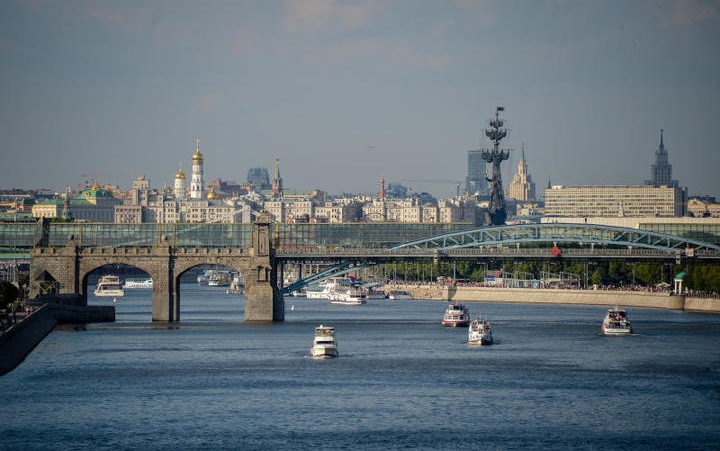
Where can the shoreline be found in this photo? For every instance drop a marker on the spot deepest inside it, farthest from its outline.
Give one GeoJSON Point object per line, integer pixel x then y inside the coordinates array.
{"type": "Point", "coordinates": [665, 300]}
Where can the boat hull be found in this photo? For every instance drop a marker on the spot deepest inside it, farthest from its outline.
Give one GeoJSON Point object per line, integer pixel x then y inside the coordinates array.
{"type": "Point", "coordinates": [455, 323]}
{"type": "Point", "coordinates": [480, 341]}
{"type": "Point", "coordinates": [109, 293]}
{"type": "Point", "coordinates": [321, 352]}
{"type": "Point", "coordinates": [616, 330]}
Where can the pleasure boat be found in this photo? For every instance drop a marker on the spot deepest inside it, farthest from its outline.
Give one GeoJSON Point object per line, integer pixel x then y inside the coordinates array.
{"type": "Point", "coordinates": [219, 279]}
{"type": "Point", "coordinates": [147, 283]}
{"type": "Point", "coordinates": [203, 278]}
{"type": "Point", "coordinates": [109, 286]}
{"type": "Point", "coordinates": [346, 295]}
{"type": "Point", "coordinates": [479, 332]}
{"type": "Point", "coordinates": [456, 315]}
{"type": "Point", "coordinates": [616, 323]}
{"type": "Point", "coordinates": [237, 286]}
{"type": "Point", "coordinates": [324, 345]}
{"type": "Point", "coordinates": [399, 295]}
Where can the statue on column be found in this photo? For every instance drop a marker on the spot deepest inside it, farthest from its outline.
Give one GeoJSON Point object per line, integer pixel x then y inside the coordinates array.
{"type": "Point", "coordinates": [496, 213]}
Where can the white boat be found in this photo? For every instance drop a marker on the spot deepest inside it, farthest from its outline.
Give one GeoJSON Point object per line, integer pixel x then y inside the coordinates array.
{"type": "Point", "coordinates": [456, 315]}
{"type": "Point", "coordinates": [398, 295]}
{"type": "Point", "coordinates": [219, 279]}
{"type": "Point", "coordinates": [237, 286]}
{"type": "Point", "coordinates": [324, 345]}
{"type": "Point", "coordinates": [616, 323]}
{"type": "Point", "coordinates": [203, 278]}
{"type": "Point", "coordinates": [147, 283]}
{"type": "Point", "coordinates": [109, 286]}
{"type": "Point", "coordinates": [479, 332]}
{"type": "Point", "coordinates": [315, 291]}
{"type": "Point", "coordinates": [346, 295]}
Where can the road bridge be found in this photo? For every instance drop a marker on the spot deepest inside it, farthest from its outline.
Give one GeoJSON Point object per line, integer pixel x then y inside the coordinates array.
{"type": "Point", "coordinates": [64, 255]}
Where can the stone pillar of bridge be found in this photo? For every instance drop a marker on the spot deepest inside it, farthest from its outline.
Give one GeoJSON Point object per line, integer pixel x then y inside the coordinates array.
{"type": "Point", "coordinates": [263, 301]}
{"type": "Point", "coordinates": [165, 296]}
{"type": "Point", "coordinates": [55, 270]}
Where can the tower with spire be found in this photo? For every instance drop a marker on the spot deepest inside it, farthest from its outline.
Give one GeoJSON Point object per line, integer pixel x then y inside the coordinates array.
{"type": "Point", "coordinates": [196, 182]}
{"type": "Point", "coordinates": [661, 170]}
{"type": "Point", "coordinates": [522, 187]}
{"type": "Point", "coordinates": [277, 183]}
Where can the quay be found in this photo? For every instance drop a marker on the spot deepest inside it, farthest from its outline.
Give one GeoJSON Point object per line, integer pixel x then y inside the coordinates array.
{"type": "Point", "coordinates": [20, 339]}
{"type": "Point", "coordinates": [626, 298]}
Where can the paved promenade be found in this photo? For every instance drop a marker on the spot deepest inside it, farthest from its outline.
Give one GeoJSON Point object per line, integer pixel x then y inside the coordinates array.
{"type": "Point", "coordinates": [560, 296]}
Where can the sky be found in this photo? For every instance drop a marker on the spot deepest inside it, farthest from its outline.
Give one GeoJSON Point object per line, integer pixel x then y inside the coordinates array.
{"type": "Point", "coordinates": [344, 93]}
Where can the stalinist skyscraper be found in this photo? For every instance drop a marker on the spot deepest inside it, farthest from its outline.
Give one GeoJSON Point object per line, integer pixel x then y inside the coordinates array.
{"type": "Point", "coordinates": [522, 187]}
{"type": "Point", "coordinates": [661, 170]}
{"type": "Point", "coordinates": [196, 182]}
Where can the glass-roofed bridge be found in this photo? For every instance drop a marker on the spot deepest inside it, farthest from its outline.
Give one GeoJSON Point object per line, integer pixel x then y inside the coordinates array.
{"type": "Point", "coordinates": [65, 254]}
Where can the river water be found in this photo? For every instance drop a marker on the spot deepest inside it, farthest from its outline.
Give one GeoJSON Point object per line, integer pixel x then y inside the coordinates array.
{"type": "Point", "coordinates": [402, 381]}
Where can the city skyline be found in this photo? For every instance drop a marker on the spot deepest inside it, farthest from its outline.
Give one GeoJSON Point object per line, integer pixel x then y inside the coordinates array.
{"type": "Point", "coordinates": [345, 92]}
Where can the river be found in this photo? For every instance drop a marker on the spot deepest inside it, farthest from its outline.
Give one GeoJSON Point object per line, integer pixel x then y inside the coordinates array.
{"type": "Point", "coordinates": [402, 381]}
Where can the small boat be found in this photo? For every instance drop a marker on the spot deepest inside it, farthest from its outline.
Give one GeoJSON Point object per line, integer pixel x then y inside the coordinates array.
{"type": "Point", "coordinates": [203, 278]}
{"type": "Point", "coordinates": [616, 323]}
{"type": "Point", "coordinates": [324, 345]}
{"type": "Point", "coordinates": [237, 286]}
{"type": "Point", "coordinates": [109, 286]}
{"type": "Point", "coordinates": [479, 332]}
{"type": "Point", "coordinates": [456, 315]}
{"type": "Point", "coordinates": [147, 283]}
{"type": "Point", "coordinates": [399, 295]}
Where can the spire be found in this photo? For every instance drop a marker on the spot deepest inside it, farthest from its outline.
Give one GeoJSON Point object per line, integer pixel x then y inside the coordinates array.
{"type": "Point", "coordinates": [277, 186]}
{"type": "Point", "coordinates": [661, 138]}
{"type": "Point", "coordinates": [522, 155]}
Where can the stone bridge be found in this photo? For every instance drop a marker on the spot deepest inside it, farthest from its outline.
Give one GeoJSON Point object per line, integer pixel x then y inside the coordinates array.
{"type": "Point", "coordinates": [68, 268]}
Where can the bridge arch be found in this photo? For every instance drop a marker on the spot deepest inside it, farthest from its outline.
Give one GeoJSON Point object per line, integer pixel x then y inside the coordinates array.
{"type": "Point", "coordinates": [559, 233]}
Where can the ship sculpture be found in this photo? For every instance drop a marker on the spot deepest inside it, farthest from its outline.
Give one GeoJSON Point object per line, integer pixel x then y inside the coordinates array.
{"type": "Point", "coordinates": [496, 213]}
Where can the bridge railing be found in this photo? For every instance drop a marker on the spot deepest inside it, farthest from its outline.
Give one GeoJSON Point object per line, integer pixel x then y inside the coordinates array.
{"type": "Point", "coordinates": [148, 235]}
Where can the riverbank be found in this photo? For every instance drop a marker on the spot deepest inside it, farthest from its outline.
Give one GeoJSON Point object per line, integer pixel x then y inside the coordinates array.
{"type": "Point", "coordinates": [562, 296]}
{"type": "Point", "coordinates": [19, 340]}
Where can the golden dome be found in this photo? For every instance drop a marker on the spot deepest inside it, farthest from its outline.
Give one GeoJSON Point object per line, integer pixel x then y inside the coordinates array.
{"type": "Point", "coordinates": [197, 156]}
{"type": "Point", "coordinates": [211, 194]}
{"type": "Point", "coordinates": [180, 174]}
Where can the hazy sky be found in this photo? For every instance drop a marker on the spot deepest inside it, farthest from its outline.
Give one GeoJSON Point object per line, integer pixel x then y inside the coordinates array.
{"type": "Point", "coordinates": [343, 92]}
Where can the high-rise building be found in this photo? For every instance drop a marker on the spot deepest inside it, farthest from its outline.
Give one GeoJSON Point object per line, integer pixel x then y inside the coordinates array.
{"type": "Point", "coordinates": [522, 187]}
{"type": "Point", "coordinates": [196, 182]}
{"type": "Point", "coordinates": [615, 201]}
{"type": "Point", "coordinates": [475, 182]}
{"type": "Point", "coordinates": [661, 170]}
{"type": "Point", "coordinates": [259, 178]}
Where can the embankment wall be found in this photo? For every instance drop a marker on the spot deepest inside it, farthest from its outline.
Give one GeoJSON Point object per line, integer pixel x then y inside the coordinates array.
{"type": "Point", "coordinates": [562, 296]}
{"type": "Point", "coordinates": [18, 341]}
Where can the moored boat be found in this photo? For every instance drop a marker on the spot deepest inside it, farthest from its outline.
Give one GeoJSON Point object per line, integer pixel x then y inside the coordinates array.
{"type": "Point", "coordinates": [109, 286]}
{"type": "Point", "coordinates": [479, 332]}
{"type": "Point", "coordinates": [324, 345]}
{"type": "Point", "coordinates": [399, 295]}
{"type": "Point", "coordinates": [616, 323]}
{"type": "Point", "coordinates": [146, 283]}
{"type": "Point", "coordinates": [456, 315]}
{"type": "Point", "coordinates": [346, 295]}
{"type": "Point", "coordinates": [219, 279]}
